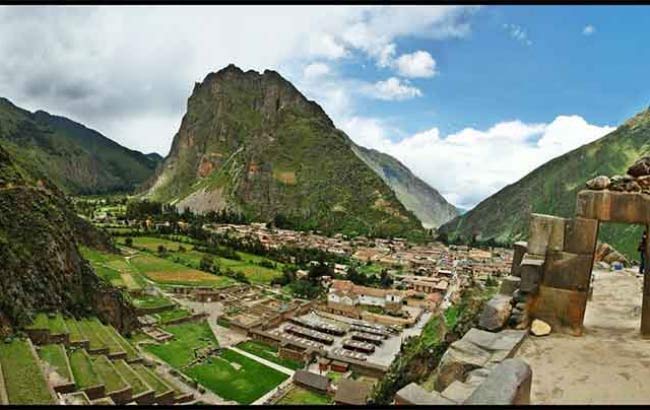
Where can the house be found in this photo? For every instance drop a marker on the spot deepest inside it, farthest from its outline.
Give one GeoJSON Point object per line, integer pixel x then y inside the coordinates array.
{"type": "Point", "coordinates": [352, 393]}
{"type": "Point", "coordinates": [312, 381]}
{"type": "Point", "coordinates": [346, 294]}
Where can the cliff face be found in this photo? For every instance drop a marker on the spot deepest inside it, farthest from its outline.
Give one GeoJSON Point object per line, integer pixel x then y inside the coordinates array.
{"type": "Point", "coordinates": [253, 143]}
{"type": "Point", "coordinates": [41, 268]}
{"type": "Point", "coordinates": [77, 159]}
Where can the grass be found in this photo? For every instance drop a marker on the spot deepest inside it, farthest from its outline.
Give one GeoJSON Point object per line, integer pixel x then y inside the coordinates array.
{"type": "Point", "coordinates": [152, 379]}
{"type": "Point", "coordinates": [299, 395]}
{"type": "Point", "coordinates": [151, 302]}
{"type": "Point", "coordinates": [169, 315]}
{"type": "Point", "coordinates": [131, 353]}
{"type": "Point", "coordinates": [248, 265]}
{"type": "Point", "coordinates": [244, 385]}
{"type": "Point", "coordinates": [112, 379]}
{"type": "Point", "coordinates": [113, 268]}
{"type": "Point", "coordinates": [269, 353]}
{"type": "Point", "coordinates": [55, 356]}
{"type": "Point", "coordinates": [75, 332]}
{"type": "Point", "coordinates": [83, 370]}
{"type": "Point", "coordinates": [131, 377]}
{"type": "Point", "coordinates": [55, 324]}
{"type": "Point", "coordinates": [24, 380]}
{"type": "Point", "coordinates": [334, 376]}
{"type": "Point", "coordinates": [187, 337]}
{"type": "Point", "coordinates": [167, 272]}
{"type": "Point", "coordinates": [88, 329]}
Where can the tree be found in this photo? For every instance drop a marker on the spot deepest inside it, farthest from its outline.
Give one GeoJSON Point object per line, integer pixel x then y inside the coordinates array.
{"type": "Point", "coordinates": [128, 241]}
{"type": "Point", "coordinates": [385, 280]}
{"type": "Point", "coordinates": [161, 249]}
{"type": "Point", "coordinates": [206, 263]}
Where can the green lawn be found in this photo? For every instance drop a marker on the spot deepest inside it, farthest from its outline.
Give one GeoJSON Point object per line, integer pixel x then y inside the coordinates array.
{"type": "Point", "coordinates": [112, 267]}
{"type": "Point", "coordinates": [188, 336]}
{"type": "Point", "coordinates": [82, 369]}
{"type": "Point", "coordinates": [152, 379]}
{"type": "Point", "coordinates": [131, 377]}
{"type": "Point", "coordinates": [269, 353]}
{"type": "Point", "coordinates": [24, 380]}
{"type": "Point", "coordinates": [299, 395]}
{"type": "Point", "coordinates": [112, 379]}
{"type": "Point", "coordinates": [55, 355]}
{"type": "Point", "coordinates": [174, 314]}
{"type": "Point", "coordinates": [54, 323]}
{"type": "Point", "coordinates": [150, 301]}
{"type": "Point", "coordinates": [164, 271]}
{"type": "Point", "coordinates": [334, 376]}
{"type": "Point", "coordinates": [244, 385]}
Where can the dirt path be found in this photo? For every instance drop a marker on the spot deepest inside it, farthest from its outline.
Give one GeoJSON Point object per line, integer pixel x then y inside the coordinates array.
{"type": "Point", "coordinates": [609, 364]}
{"type": "Point", "coordinates": [263, 361]}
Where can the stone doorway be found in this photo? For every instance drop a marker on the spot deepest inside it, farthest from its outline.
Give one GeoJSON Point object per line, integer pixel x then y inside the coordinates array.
{"type": "Point", "coordinates": [557, 261]}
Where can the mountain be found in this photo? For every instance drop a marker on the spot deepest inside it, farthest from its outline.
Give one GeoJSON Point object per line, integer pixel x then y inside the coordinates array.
{"type": "Point", "coordinates": [552, 189]}
{"type": "Point", "coordinates": [252, 143]}
{"type": "Point", "coordinates": [417, 196]}
{"type": "Point", "coordinates": [41, 267]}
{"type": "Point", "coordinates": [79, 160]}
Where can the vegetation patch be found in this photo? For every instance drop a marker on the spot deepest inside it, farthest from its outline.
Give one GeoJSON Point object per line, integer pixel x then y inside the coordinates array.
{"type": "Point", "coordinates": [299, 395]}
{"type": "Point", "coordinates": [152, 379]}
{"type": "Point", "coordinates": [112, 379]}
{"type": "Point", "coordinates": [55, 323]}
{"type": "Point", "coordinates": [131, 377]}
{"type": "Point", "coordinates": [188, 337]}
{"type": "Point", "coordinates": [55, 356]}
{"type": "Point", "coordinates": [24, 380]}
{"type": "Point", "coordinates": [82, 368]}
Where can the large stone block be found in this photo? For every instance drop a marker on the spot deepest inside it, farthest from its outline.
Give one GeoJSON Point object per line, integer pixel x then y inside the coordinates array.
{"type": "Point", "coordinates": [518, 254]}
{"type": "Point", "coordinates": [546, 233]}
{"type": "Point", "coordinates": [563, 309]}
{"type": "Point", "coordinates": [567, 271]}
{"type": "Point", "coordinates": [458, 391]}
{"type": "Point", "coordinates": [509, 284]}
{"type": "Point", "coordinates": [580, 235]}
{"type": "Point", "coordinates": [611, 206]}
{"type": "Point", "coordinates": [496, 312]}
{"type": "Point", "coordinates": [461, 358]}
{"type": "Point", "coordinates": [508, 383]}
{"type": "Point", "coordinates": [531, 270]}
{"type": "Point", "coordinates": [506, 340]}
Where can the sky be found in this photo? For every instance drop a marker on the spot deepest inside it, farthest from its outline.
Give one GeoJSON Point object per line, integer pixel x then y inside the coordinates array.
{"type": "Point", "coordinates": [471, 99]}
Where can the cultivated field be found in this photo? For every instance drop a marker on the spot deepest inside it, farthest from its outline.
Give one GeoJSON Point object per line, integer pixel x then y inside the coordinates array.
{"type": "Point", "coordinates": [167, 272]}
{"type": "Point", "coordinates": [23, 378]}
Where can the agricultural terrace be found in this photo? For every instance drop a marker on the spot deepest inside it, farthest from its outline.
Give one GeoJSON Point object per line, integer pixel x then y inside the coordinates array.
{"type": "Point", "coordinates": [113, 268]}
{"type": "Point", "coordinates": [167, 272]}
{"type": "Point", "coordinates": [169, 315]}
{"type": "Point", "coordinates": [151, 301]}
{"type": "Point", "coordinates": [179, 351]}
{"type": "Point", "coordinates": [23, 378]}
{"type": "Point", "coordinates": [299, 395]}
{"type": "Point", "coordinates": [131, 377]}
{"type": "Point", "coordinates": [236, 377]}
{"type": "Point", "coordinates": [269, 353]}
{"type": "Point", "coordinates": [55, 356]}
{"type": "Point", "coordinates": [249, 265]}
{"type": "Point", "coordinates": [82, 368]}
{"type": "Point", "coordinates": [160, 386]}
{"type": "Point", "coordinates": [55, 323]}
{"type": "Point", "coordinates": [112, 379]}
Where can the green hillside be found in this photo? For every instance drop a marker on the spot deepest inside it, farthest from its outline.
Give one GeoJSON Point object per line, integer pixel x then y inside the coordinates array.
{"type": "Point", "coordinates": [552, 189]}
{"type": "Point", "coordinates": [77, 159]}
{"type": "Point", "coordinates": [252, 143]}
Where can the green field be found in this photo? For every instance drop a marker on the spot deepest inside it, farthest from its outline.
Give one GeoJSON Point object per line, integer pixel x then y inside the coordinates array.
{"type": "Point", "coordinates": [299, 395]}
{"type": "Point", "coordinates": [169, 315]}
{"type": "Point", "coordinates": [248, 265]}
{"type": "Point", "coordinates": [163, 271]}
{"type": "Point", "coordinates": [24, 380]}
{"type": "Point", "coordinates": [75, 332]}
{"type": "Point", "coordinates": [82, 368]}
{"type": "Point", "coordinates": [55, 356]}
{"type": "Point", "coordinates": [113, 268]}
{"type": "Point", "coordinates": [269, 353]}
{"type": "Point", "coordinates": [112, 379]}
{"type": "Point", "coordinates": [179, 351]}
{"type": "Point", "coordinates": [150, 301]}
{"type": "Point", "coordinates": [243, 385]}
{"type": "Point", "coordinates": [55, 324]}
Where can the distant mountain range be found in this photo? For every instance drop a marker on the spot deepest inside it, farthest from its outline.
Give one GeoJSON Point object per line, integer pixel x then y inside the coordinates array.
{"type": "Point", "coordinates": [252, 143]}
{"type": "Point", "coordinates": [552, 189]}
{"type": "Point", "coordinates": [77, 159]}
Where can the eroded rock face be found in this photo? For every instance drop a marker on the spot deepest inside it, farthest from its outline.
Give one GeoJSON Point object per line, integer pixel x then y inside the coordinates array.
{"type": "Point", "coordinates": [496, 313]}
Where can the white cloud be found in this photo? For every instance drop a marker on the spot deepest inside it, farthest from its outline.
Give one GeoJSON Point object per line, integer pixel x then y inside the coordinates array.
{"type": "Point", "coordinates": [418, 64]}
{"type": "Point", "coordinates": [518, 33]}
{"type": "Point", "coordinates": [316, 70]}
{"type": "Point", "coordinates": [115, 70]}
{"type": "Point", "coordinates": [588, 30]}
{"type": "Point", "coordinates": [468, 166]}
{"type": "Point", "coordinates": [392, 89]}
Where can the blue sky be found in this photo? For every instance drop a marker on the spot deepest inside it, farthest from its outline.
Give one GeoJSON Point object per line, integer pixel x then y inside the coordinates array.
{"type": "Point", "coordinates": [470, 99]}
